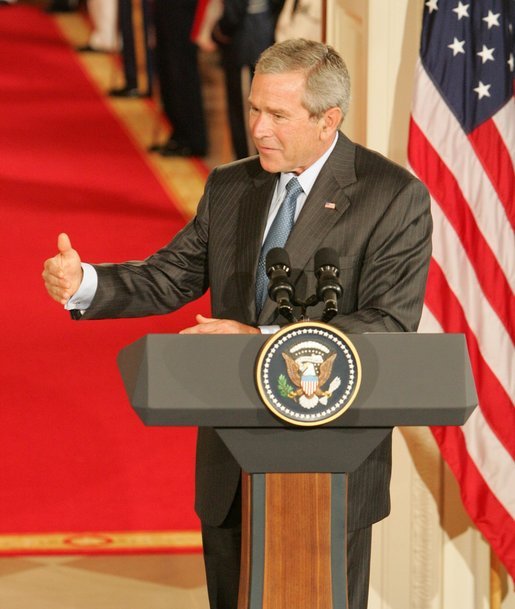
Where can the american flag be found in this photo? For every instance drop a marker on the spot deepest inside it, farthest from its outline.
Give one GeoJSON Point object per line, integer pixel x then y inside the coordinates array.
{"type": "Point", "coordinates": [462, 145]}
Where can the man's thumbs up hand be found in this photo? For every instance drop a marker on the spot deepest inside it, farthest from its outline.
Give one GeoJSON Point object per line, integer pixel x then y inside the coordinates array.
{"type": "Point", "coordinates": [62, 274]}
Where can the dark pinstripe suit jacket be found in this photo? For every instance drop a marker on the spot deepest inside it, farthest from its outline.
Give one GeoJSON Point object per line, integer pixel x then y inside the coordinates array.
{"type": "Point", "coordinates": [381, 228]}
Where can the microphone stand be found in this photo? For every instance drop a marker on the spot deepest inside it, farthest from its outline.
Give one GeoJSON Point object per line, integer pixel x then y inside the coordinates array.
{"type": "Point", "coordinates": [282, 291]}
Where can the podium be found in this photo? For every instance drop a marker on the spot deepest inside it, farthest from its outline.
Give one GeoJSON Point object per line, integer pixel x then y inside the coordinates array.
{"type": "Point", "coordinates": [295, 479]}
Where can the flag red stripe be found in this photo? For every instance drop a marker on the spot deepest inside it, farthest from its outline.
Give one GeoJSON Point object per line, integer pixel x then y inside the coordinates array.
{"type": "Point", "coordinates": [482, 505]}
{"type": "Point", "coordinates": [444, 188]}
{"type": "Point", "coordinates": [496, 405]}
{"type": "Point", "coordinates": [495, 158]}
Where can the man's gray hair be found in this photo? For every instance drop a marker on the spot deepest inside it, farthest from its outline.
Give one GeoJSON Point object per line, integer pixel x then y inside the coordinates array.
{"type": "Point", "coordinates": [327, 77]}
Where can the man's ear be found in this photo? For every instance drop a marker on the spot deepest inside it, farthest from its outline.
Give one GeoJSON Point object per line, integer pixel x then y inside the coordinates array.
{"type": "Point", "coordinates": [331, 120]}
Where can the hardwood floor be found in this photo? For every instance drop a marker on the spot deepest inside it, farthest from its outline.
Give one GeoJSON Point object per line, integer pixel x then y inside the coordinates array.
{"type": "Point", "coordinates": [103, 582]}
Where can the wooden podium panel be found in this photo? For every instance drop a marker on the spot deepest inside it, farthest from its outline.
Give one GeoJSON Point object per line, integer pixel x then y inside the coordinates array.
{"type": "Point", "coordinates": [293, 553]}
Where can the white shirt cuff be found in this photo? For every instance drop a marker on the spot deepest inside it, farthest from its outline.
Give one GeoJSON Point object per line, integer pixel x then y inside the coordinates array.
{"type": "Point", "coordinates": [83, 297]}
{"type": "Point", "coordinates": [269, 329]}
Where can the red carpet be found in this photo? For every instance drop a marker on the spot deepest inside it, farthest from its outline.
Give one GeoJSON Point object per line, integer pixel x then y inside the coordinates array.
{"type": "Point", "coordinates": [74, 457]}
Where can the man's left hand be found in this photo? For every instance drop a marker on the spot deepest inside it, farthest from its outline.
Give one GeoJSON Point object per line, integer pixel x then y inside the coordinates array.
{"type": "Point", "coordinates": [209, 325]}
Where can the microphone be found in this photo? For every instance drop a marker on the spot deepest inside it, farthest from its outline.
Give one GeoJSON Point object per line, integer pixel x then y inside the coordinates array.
{"type": "Point", "coordinates": [328, 288]}
{"type": "Point", "coordinates": [280, 289]}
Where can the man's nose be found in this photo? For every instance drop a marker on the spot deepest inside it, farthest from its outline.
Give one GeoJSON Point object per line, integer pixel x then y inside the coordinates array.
{"type": "Point", "coordinates": [260, 125]}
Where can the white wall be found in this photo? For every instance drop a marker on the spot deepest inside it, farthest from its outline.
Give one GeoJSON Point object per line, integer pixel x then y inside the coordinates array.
{"type": "Point", "coordinates": [427, 554]}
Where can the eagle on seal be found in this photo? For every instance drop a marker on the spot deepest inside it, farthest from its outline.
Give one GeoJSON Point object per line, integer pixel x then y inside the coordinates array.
{"type": "Point", "coordinates": [305, 377]}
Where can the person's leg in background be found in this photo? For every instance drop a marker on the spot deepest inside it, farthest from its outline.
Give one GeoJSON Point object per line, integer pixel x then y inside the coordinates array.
{"type": "Point", "coordinates": [135, 24]}
{"type": "Point", "coordinates": [104, 17]}
{"type": "Point", "coordinates": [234, 74]}
{"type": "Point", "coordinates": [179, 78]}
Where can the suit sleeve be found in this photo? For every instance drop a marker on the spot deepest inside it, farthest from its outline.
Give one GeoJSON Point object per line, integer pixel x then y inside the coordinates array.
{"type": "Point", "coordinates": [170, 278]}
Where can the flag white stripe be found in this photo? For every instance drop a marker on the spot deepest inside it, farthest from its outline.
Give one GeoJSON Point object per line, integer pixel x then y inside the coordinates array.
{"type": "Point", "coordinates": [505, 123]}
{"type": "Point", "coordinates": [494, 341]}
{"type": "Point", "coordinates": [428, 323]}
{"type": "Point", "coordinates": [491, 459]}
{"type": "Point", "coordinates": [446, 136]}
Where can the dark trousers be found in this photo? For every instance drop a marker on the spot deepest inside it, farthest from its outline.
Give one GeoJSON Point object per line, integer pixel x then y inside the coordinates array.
{"type": "Point", "coordinates": [135, 26]}
{"type": "Point", "coordinates": [234, 89]}
{"type": "Point", "coordinates": [178, 72]}
{"type": "Point", "coordinates": [359, 545]}
{"type": "Point", "coordinates": [222, 554]}
{"type": "Point", "coordinates": [239, 58]}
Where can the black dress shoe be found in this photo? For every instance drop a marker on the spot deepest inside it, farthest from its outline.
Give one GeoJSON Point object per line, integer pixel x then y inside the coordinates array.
{"type": "Point", "coordinates": [87, 48]}
{"type": "Point", "coordinates": [174, 148]}
{"type": "Point", "coordinates": [126, 92]}
{"type": "Point", "coordinates": [62, 6]}
{"type": "Point", "coordinates": [60, 9]}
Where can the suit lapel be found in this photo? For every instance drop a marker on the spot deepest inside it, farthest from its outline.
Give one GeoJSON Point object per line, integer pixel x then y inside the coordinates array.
{"type": "Point", "coordinates": [251, 226]}
{"type": "Point", "coordinates": [316, 218]}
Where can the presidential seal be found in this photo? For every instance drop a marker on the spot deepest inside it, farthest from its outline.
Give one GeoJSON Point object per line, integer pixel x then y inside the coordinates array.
{"type": "Point", "coordinates": [308, 373]}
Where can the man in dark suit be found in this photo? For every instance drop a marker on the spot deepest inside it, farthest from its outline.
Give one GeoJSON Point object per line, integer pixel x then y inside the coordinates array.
{"type": "Point", "coordinates": [372, 212]}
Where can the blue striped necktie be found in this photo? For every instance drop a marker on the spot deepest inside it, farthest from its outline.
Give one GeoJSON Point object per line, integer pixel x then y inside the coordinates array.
{"type": "Point", "coordinates": [277, 237]}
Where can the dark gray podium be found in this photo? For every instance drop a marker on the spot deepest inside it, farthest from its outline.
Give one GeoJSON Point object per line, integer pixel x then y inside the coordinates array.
{"type": "Point", "coordinates": [294, 488]}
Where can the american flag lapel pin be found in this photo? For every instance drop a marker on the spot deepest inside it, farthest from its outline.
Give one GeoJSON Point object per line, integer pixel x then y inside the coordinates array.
{"type": "Point", "coordinates": [330, 205]}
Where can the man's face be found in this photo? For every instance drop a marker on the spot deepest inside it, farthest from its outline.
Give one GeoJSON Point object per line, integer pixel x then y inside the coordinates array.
{"type": "Point", "coordinates": [286, 137]}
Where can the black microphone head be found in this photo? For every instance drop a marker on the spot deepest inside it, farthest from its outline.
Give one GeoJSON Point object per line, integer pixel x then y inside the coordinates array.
{"type": "Point", "coordinates": [326, 256]}
{"type": "Point", "coordinates": [277, 256]}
